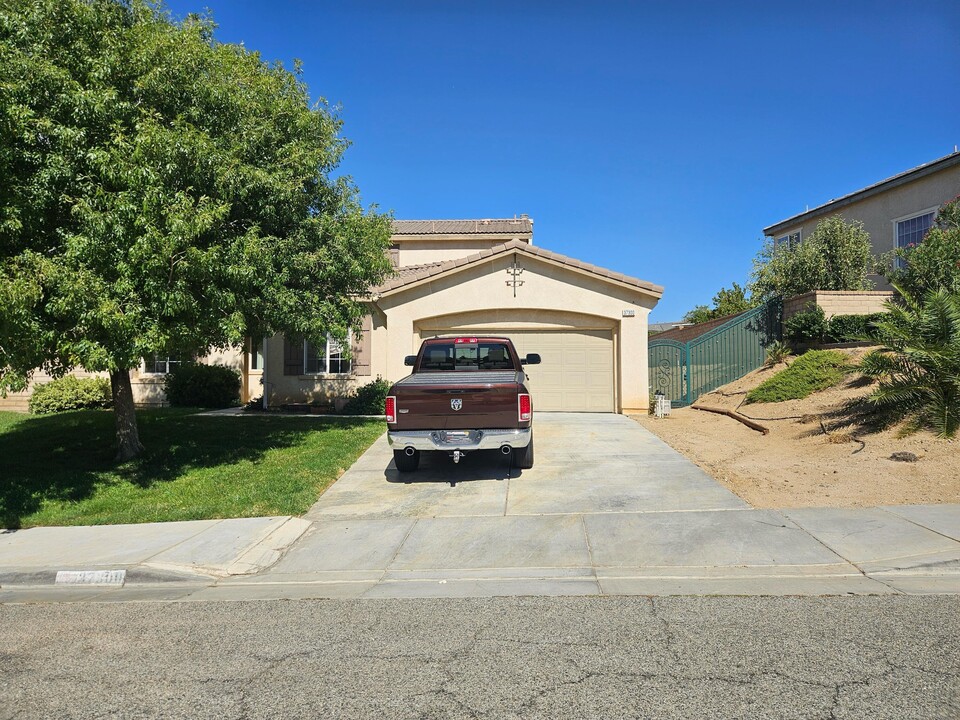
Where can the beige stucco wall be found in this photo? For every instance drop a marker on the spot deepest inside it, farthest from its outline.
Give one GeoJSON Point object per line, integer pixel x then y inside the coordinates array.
{"type": "Point", "coordinates": [879, 212]}
{"type": "Point", "coordinates": [552, 296]}
{"type": "Point", "coordinates": [415, 251]}
{"type": "Point", "coordinates": [319, 389]}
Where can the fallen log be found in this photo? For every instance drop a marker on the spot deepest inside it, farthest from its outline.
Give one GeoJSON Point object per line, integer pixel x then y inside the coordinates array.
{"type": "Point", "coordinates": [735, 415]}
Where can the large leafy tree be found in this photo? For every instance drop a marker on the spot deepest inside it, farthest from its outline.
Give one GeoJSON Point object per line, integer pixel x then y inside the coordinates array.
{"type": "Point", "coordinates": [836, 256]}
{"type": "Point", "coordinates": [163, 192]}
{"type": "Point", "coordinates": [727, 301]}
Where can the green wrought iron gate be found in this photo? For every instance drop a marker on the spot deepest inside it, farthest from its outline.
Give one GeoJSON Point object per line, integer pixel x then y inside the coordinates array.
{"type": "Point", "coordinates": [685, 371]}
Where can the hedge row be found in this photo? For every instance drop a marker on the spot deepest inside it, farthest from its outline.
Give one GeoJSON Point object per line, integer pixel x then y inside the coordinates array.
{"type": "Point", "coordinates": [70, 393]}
{"type": "Point", "coordinates": [811, 327]}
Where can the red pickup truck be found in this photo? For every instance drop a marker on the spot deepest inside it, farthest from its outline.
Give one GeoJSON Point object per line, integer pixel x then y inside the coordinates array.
{"type": "Point", "coordinates": [465, 394]}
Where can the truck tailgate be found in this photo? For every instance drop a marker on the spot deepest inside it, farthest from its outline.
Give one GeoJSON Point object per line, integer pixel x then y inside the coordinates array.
{"type": "Point", "coordinates": [425, 401]}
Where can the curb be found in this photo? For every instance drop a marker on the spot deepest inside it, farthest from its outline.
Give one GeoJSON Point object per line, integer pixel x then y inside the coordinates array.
{"type": "Point", "coordinates": [134, 575]}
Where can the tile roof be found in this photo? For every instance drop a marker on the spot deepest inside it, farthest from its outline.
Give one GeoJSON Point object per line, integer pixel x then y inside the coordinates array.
{"type": "Point", "coordinates": [415, 273]}
{"type": "Point", "coordinates": [503, 226]}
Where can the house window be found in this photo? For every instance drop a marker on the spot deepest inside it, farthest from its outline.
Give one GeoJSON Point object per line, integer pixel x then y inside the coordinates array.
{"type": "Point", "coordinates": [160, 364]}
{"type": "Point", "coordinates": [256, 353]}
{"type": "Point", "coordinates": [327, 359]}
{"type": "Point", "coordinates": [910, 230]}
{"type": "Point", "coordinates": [791, 240]}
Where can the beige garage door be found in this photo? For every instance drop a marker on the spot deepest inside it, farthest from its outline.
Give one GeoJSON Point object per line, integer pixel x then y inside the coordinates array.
{"type": "Point", "coordinates": [576, 374]}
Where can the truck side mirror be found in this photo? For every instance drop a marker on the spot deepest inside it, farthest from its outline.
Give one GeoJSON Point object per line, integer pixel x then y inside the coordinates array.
{"type": "Point", "coordinates": [410, 360]}
{"type": "Point", "coordinates": [531, 359]}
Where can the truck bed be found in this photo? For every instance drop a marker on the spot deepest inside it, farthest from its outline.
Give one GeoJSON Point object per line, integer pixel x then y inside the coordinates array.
{"type": "Point", "coordinates": [488, 399]}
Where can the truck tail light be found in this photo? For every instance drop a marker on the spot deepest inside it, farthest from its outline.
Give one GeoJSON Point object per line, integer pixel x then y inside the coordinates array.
{"type": "Point", "coordinates": [390, 408]}
{"type": "Point", "coordinates": [526, 408]}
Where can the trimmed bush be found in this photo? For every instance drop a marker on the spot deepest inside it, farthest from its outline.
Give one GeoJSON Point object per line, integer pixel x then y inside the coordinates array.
{"type": "Point", "coordinates": [368, 399]}
{"type": "Point", "coordinates": [808, 327]}
{"type": "Point", "coordinates": [205, 386]}
{"type": "Point", "coordinates": [71, 393]}
{"type": "Point", "coordinates": [814, 370]}
{"type": "Point", "coordinates": [851, 328]}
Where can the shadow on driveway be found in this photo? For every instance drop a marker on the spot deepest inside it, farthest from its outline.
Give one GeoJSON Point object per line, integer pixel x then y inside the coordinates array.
{"type": "Point", "coordinates": [438, 467]}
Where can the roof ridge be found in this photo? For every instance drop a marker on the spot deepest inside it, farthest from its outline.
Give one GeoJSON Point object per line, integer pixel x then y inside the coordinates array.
{"type": "Point", "coordinates": [515, 245]}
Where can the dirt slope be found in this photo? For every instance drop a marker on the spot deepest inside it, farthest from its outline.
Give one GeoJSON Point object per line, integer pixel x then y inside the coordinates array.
{"type": "Point", "coordinates": [797, 464]}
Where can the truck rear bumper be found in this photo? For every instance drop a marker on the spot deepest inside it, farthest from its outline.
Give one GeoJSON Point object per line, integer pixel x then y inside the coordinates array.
{"type": "Point", "coordinates": [459, 439]}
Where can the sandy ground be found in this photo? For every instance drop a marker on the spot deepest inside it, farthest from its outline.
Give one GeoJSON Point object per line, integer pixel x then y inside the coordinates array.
{"type": "Point", "coordinates": [797, 464]}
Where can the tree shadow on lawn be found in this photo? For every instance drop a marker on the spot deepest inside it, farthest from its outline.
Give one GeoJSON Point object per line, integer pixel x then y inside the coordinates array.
{"type": "Point", "coordinates": [68, 455]}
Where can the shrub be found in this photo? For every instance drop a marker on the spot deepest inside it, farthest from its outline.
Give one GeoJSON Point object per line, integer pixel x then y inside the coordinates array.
{"type": "Point", "coordinates": [850, 328]}
{"type": "Point", "coordinates": [808, 326]}
{"type": "Point", "coordinates": [368, 399]}
{"type": "Point", "coordinates": [814, 370]}
{"type": "Point", "coordinates": [206, 386]}
{"type": "Point", "coordinates": [934, 264]}
{"type": "Point", "coordinates": [836, 256]}
{"type": "Point", "coordinates": [919, 364]}
{"type": "Point", "coordinates": [70, 393]}
{"type": "Point", "coordinates": [777, 352]}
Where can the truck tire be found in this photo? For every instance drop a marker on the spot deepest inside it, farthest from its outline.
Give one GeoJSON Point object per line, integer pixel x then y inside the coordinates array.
{"type": "Point", "coordinates": [523, 457]}
{"type": "Point", "coordinates": [406, 463]}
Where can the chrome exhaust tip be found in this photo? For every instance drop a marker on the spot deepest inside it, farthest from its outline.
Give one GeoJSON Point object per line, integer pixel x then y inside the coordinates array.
{"type": "Point", "coordinates": [409, 451]}
{"type": "Point", "coordinates": [505, 449]}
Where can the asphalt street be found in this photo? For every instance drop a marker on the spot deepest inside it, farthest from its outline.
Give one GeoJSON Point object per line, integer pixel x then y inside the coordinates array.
{"type": "Point", "coordinates": [570, 657]}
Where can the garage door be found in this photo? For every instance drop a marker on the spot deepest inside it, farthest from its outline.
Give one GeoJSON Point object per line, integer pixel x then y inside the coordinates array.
{"type": "Point", "coordinates": [576, 374]}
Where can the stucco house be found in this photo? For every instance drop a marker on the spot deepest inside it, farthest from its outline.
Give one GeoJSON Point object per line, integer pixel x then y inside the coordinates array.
{"type": "Point", "coordinates": [459, 276]}
{"type": "Point", "coordinates": [471, 276]}
{"type": "Point", "coordinates": [895, 212]}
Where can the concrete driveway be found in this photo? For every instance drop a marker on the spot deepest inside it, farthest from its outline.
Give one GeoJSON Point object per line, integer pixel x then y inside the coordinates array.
{"type": "Point", "coordinates": [608, 508]}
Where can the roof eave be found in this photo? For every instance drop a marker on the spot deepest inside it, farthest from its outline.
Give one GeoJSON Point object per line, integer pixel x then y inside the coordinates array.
{"type": "Point", "coordinates": [654, 291]}
{"type": "Point", "coordinates": [867, 192]}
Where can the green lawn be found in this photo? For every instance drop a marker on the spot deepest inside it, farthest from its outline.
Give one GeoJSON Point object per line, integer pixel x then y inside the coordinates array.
{"type": "Point", "coordinates": [59, 469]}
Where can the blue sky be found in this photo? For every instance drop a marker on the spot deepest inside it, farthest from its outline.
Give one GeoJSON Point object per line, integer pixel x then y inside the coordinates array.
{"type": "Point", "coordinates": [655, 139]}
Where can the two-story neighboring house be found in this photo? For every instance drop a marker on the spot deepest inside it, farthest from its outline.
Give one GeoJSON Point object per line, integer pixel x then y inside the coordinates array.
{"type": "Point", "coordinates": [486, 276]}
{"type": "Point", "coordinates": [895, 212]}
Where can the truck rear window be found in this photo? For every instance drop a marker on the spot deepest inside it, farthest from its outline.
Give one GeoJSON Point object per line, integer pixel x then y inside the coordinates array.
{"type": "Point", "coordinates": [479, 356]}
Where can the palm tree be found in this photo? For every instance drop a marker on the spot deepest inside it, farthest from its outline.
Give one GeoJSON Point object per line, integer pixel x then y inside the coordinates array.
{"type": "Point", "coordinates": [918, 365]}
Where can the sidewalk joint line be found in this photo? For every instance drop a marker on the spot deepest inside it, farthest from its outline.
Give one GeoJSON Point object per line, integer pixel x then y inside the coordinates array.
{"type": "Point", "coordinates": [837, 553]}
{"type": "Point", "coordinates": [920, 525]}
{"type": "Point", "coordinates": [396, 552]}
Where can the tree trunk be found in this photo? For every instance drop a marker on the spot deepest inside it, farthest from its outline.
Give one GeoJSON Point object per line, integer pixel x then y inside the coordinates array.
{"type": "Point", "coordinates": [125, 415]}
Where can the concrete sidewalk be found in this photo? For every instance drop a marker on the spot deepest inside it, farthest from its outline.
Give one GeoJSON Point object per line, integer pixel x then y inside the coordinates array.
{"type": "Point", "coordinates": [608, 509]}
{"type": "Point", "coordinates": [197, 552]}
